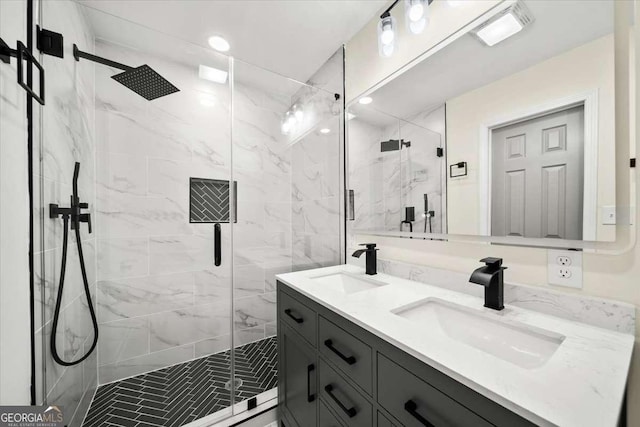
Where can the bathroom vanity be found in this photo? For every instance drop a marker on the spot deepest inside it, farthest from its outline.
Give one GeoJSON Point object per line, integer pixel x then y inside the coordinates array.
{"type": "Point", "coordinates": [360, 350]}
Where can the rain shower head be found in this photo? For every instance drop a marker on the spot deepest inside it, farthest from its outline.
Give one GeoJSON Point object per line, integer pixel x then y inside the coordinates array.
{"type": "Point", "coordinates": [143, 80]}
{"type": "Point", "coordinates": [394, 145]}
{"type": "Point", "coordinates": [146, 82]}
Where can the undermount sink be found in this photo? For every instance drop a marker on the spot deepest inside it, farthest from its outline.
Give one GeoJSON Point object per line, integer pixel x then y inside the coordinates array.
{"type": "Point", "coordinates": [520, 344]}
{"type": "Point", "coordinates": [348, 283]}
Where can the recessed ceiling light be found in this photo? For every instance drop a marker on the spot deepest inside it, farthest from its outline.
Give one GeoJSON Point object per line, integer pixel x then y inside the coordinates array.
{"type": "Point", "coordinates": [219, 43]}
{"type": "Point", "coordinates": [365, 100]}
{"type": "Point", "coordinates": [212, 74]}
{"type": "Point", "coordinates": [325, 130]}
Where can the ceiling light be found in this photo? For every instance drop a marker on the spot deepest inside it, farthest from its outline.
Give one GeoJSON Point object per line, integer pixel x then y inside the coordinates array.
{"type": "Point", "coordinates": [219, 43]}
{"type": "Point", "coordinates": [365, 100]}
{"type": "Point", "coordinates": [456, 3]}
{"type": "Point", "coordinates": [386, 35]}
{"type": "Point", "coordinates": [212, 74]}
{"type": "Point", "coordinates": [509, 22]}
{"type": "Point", "coordinates": [325, 131]}
{"type": "Point", "coordinates": [416, 15]}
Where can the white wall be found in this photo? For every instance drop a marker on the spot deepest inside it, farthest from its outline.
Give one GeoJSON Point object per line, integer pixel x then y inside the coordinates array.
{"type": "Point", "coordinates": [14, 215]}
{"type": "Point", "coordinates": [586, 68]}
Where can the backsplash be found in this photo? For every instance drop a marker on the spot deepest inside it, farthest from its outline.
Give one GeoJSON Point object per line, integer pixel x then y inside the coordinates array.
{"type": "Point", "coordinates": [603, 313]}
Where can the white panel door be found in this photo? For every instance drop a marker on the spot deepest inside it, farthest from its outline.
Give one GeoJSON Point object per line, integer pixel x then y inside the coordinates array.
{"type": "Point", "coordinates": [537, 177]}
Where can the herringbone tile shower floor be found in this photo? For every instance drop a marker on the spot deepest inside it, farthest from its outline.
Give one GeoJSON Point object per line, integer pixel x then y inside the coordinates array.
{"type": "Point", "coordinates": [182, 393]}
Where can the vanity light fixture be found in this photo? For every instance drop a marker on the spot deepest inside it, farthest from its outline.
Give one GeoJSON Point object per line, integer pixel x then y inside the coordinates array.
{"type": "Point", "coordinates": [219, 43]}
{"type": "Point", "coordinates": [386, 35]}
{"type": "Point", "coordinates": [416, 18]}
{"type": "Point", "coordinates": [212, 74]}
{"type": "Point", "coordinates": [504, 25]}
{"type": "Point", "coordinates": [365, 100]}
{"type": "Point", "coordinates": [416, 15]}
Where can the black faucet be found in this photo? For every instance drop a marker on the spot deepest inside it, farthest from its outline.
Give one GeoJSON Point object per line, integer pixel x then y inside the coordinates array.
{"type": "Point", "coordinates": [372, 263]}
{"type": "Point", "coordinates": [491, 276]}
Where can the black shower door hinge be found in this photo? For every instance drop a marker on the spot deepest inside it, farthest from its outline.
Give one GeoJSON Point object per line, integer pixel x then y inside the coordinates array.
{"type": "Point", "coordinates": [50, 42]}
{"type": "Point", "coordinates": [632, 162]}
{"type": "Point", "coordinates": [439, 152]}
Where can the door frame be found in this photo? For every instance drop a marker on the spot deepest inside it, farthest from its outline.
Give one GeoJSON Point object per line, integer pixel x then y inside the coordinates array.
{"type": "Point", "coordinates": [589, 100]}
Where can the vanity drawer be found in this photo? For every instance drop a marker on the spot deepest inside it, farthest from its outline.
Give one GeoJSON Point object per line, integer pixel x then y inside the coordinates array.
{"type": "Point", "coordinates": [348, 353]}
{"type": "Point", "coordinates": [327, 419]}
{"type": "Point", "coordinates": [301, 318]}
{"type": "Point", "coordinates": [352, 408]}
{"type": "Point", "coordinates": [415, 403]}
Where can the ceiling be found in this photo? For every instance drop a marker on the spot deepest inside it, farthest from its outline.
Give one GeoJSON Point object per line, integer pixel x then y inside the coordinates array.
{"type": "Point", "coordinates": [292, 38]}
{"type": "Point", "coordinates": [467, 64]}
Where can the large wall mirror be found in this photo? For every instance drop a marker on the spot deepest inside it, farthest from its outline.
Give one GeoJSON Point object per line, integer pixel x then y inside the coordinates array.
{"type": "Point", "coordinates": [513, 139]}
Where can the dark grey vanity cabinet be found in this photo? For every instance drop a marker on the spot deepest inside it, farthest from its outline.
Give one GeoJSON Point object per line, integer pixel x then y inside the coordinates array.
{"type": "Point", "coordinates": [333, 373]}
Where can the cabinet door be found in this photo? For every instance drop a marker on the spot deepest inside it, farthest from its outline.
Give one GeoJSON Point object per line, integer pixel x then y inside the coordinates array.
{"type": "Point", "coordinates": [298, 370]}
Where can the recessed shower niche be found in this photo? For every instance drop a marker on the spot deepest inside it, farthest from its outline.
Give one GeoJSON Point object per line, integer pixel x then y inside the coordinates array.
{"type": "Point", "coordinates": [209, 200]}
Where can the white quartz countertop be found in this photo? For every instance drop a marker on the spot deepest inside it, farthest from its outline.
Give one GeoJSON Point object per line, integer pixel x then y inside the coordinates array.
{"type": "Point", "coordinates": [582, 384]}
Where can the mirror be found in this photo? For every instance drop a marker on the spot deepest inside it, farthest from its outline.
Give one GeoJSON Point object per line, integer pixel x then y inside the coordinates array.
{"type": "Point", "coordinates": [503, 137]}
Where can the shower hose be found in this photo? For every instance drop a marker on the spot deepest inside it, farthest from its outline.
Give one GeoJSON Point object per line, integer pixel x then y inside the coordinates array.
{"type": "Point", "coordinates": [56, 314]}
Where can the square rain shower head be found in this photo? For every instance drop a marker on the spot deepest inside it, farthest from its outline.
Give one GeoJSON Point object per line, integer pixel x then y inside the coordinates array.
{"type": "Point", "coordinates": [146, 82]}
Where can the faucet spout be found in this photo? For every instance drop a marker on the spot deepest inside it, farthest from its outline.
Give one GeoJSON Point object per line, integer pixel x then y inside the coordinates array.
{"type": "Point", "coordinates": [491, 276]}
{"type": "Point", "coordinates": [371, 262]}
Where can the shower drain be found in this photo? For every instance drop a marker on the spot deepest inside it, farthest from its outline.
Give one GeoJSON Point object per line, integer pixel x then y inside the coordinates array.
{"type": "Point", "coordinates": [237, 382]}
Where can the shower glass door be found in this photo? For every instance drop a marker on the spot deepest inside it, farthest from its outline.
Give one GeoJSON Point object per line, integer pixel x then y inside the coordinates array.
{"type": "Point", "coordinates": [156, 176]}
{"type": "Point", "coordinates": [286, 162]}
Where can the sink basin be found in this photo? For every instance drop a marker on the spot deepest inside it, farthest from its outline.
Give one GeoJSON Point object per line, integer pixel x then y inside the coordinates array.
{"type": "Point", "coordinates": [526, 346]}
{"type": "Point", "coordinates": [348, 283]}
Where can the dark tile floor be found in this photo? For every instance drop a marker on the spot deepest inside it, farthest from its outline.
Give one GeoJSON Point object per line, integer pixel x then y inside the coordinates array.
{"type": "Point", "coordinates": [182, 393]}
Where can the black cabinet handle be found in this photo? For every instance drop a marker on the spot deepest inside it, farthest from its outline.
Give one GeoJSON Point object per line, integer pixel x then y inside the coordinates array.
{"type": "Point", "coordinates": [217, 245]}
{"type": "Point", "coordinates": [349, 359]}
{"type": "Point", "coordinates": [310, 396]}
{"type": "Point", "coordinates": [411, 407]}
{"type": "Point", "coordinates": [351, 412]}
{"type": "Point", "coordinates": [296, 319]}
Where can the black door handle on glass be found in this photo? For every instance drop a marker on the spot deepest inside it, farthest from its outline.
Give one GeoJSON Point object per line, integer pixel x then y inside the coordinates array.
{"type": "Point", "coordinates": [310, 396]}
{"type": "Point", "coordinates": [296, 319]}
{"type": "Point", "coordinates": [349, 359]}
{"type": "Point", "coordinates": [351, 412]}
{"type": "Point", "coordinates": [411, 407]}
{"type": "Point", "coordinates": [217, 249]}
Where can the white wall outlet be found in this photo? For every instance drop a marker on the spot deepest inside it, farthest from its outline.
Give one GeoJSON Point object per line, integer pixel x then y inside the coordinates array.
{"type": "Point", "coordinates": [564, 268]}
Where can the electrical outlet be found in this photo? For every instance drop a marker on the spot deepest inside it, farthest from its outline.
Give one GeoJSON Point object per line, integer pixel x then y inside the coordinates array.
{"type": "Point", "coordinates": [564, 268]}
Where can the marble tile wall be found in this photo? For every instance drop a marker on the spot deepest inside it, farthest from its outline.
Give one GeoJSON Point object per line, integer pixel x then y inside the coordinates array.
{"type": "Point", "coordinates": [14, 214]}
{"type": "Point", "coordinates": [66, 136]}
{"type": "Point", "coordinates": [161, 300]}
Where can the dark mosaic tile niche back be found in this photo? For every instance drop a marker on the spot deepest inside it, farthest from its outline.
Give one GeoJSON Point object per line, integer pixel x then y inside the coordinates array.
{"type": "Point", "coordinates": [209, 200]}
{"type": "Point", "coordinates": [183, 393]}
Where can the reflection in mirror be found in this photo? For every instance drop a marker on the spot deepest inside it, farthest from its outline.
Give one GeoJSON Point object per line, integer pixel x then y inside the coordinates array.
{"type": "Point", "coordinates": [497, 134]}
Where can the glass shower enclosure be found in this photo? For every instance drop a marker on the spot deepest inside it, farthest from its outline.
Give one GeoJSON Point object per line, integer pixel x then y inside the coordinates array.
{"type": "Point", "coordinates": [197, 199]}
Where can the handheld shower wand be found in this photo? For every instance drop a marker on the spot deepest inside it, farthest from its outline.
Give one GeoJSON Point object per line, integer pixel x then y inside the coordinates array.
{"type": "Point", "coordinates": [75, 215]}
{"type": "Point", "coordinates": [427, 215]}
